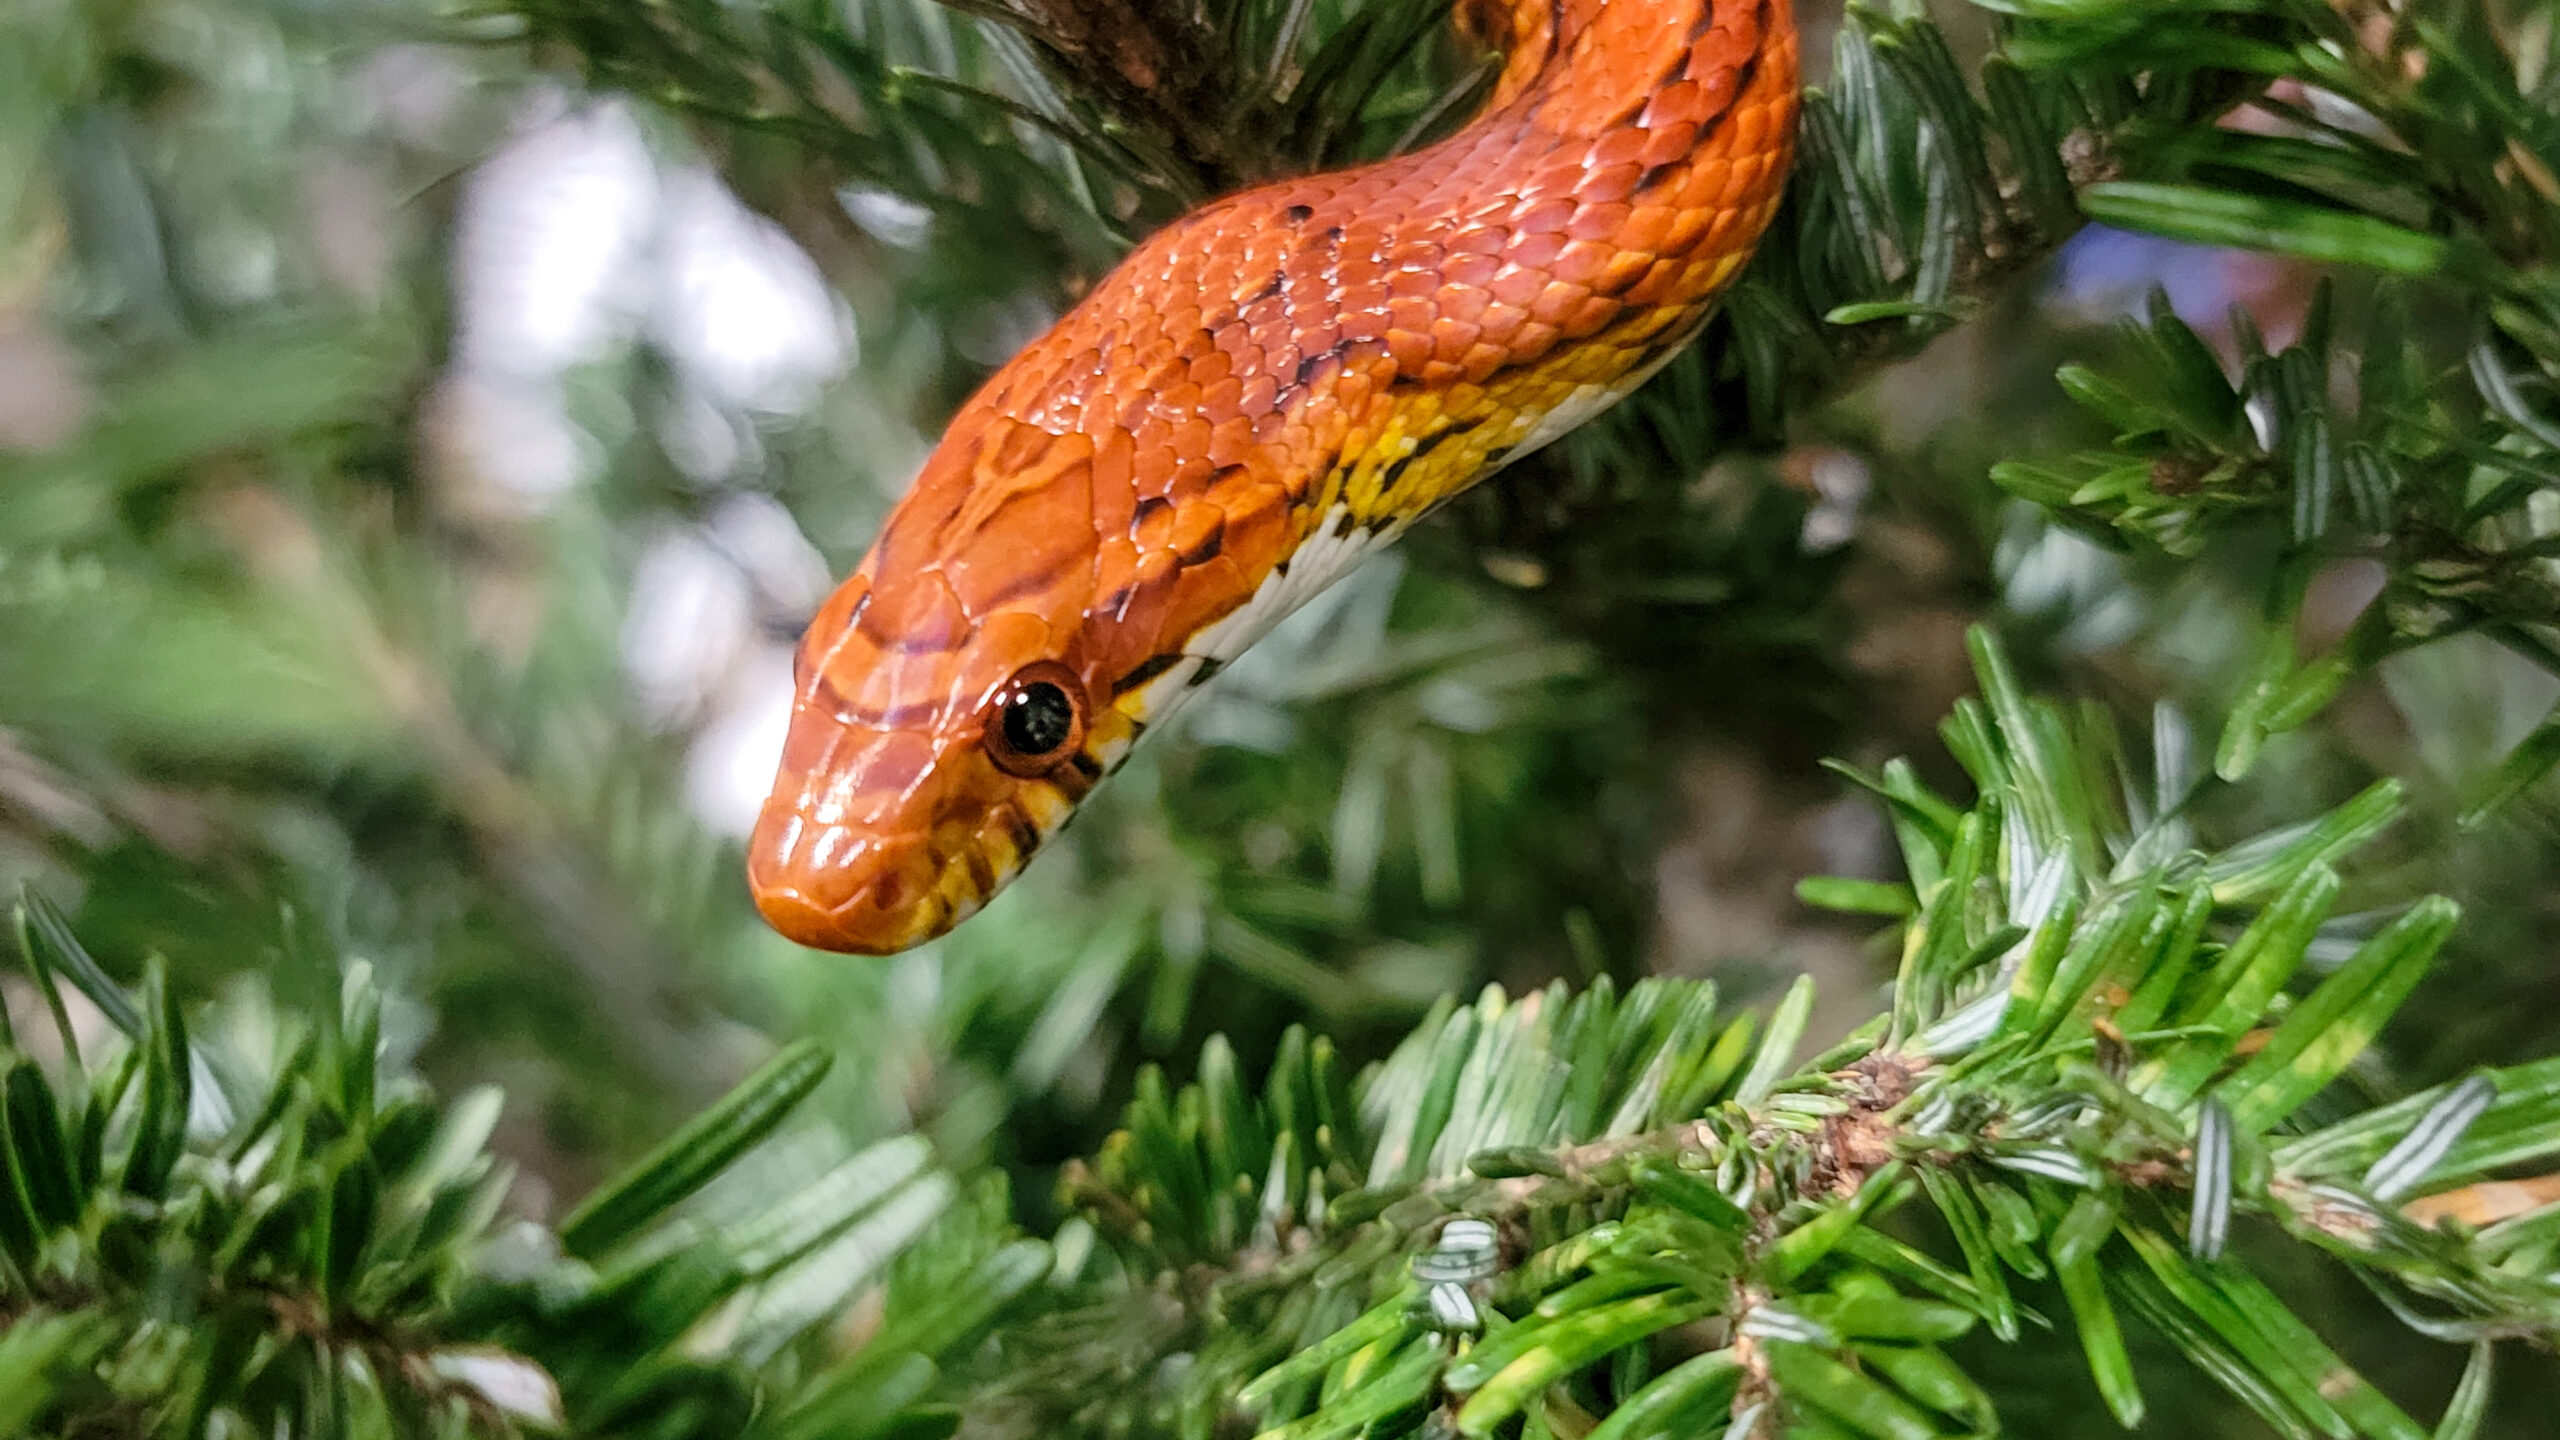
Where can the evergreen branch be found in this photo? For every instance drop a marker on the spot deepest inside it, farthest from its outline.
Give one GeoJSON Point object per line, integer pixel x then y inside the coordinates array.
{"type": "Point", "coordinates": [2437, 479]}
{"type": "Point", "coordinates": [243, 1222]}
{"type": "Point", "coordinates": [2091, 1048]}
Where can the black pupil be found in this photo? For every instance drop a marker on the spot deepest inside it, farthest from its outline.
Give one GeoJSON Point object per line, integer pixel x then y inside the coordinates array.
{"type": "Point", "coordinates": [1039, 719]}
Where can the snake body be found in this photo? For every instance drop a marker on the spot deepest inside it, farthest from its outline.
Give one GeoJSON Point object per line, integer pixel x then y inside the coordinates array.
{"type": "Point", "coordinates": [1260, 394]}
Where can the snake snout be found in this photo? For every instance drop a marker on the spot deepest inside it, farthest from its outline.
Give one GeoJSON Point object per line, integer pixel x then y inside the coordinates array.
{"type": "Point", "coordinates": [842, 860]}
{"type": "Point", "coordinates": [837, 888]}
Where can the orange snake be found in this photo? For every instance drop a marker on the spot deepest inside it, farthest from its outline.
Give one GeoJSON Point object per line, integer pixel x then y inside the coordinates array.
{"type": "Point", "coordinates": [1261, 393]}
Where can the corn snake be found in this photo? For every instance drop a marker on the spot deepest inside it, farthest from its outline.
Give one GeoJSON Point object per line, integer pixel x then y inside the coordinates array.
{"type": "Point", "coordinates": [1261, 393]}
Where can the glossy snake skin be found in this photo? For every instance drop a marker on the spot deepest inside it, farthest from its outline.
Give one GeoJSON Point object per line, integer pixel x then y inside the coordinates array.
{"type": "Point", "coordinates": [1264, 391]}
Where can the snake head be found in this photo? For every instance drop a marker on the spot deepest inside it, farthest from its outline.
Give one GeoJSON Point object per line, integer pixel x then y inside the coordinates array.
{"type": "Point", "coordinates": [944, 720]}
{"type": "Point", "coordinates": [914, 791]}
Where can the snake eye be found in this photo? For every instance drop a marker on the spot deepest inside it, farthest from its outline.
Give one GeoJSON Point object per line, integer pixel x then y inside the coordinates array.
{"type": "Point", "coordinates": [1037, 719]}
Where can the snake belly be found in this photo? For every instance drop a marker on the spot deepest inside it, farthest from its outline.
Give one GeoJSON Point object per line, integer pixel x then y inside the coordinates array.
{"type": "Point", "coordinates": [1260, 394]}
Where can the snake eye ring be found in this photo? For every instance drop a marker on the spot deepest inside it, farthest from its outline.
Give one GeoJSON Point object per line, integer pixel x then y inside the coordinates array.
{"type": "Point", "coordinates": [1036, 720]}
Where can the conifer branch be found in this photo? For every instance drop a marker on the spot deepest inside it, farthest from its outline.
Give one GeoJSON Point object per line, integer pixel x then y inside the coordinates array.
{"type": "Point", "coordinates": [2091, 1068]}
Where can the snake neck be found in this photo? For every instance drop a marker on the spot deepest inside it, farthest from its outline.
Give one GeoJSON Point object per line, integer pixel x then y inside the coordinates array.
{"type": "Point", "coordinates": [1586, 67]}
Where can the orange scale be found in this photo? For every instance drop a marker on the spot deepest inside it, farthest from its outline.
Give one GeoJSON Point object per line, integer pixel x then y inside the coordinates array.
{"type": "Point", "coordinates": [1359, 194]}
{"type": "Point", "coordinates": [1464, 304]}
{"type": "Point", "coordinates": [1154, 529]}
{"type": "Point", "coordinates": [1194, 526]}
{"type": "Point", "coordinates": [1019, 448]}
{"type": "Point", "coordinates": [1470, 270]}
{"type": "Point", "coordinates": [1662, 280]}
{"type": "Point", "coordinates": [1615, 148]}
{"type": "Point", "coordinates": [1230, 486]}
{"type": "Point", "coordinates": [1136, 404]}
{"type": "Point", "coordinates": [1647, 228]}
{"type": "Point", "coordinates": [1139, 616]}
{"type": "Point", "coordinates": [1502, 319]}
{"type": "Point", "coordinates": [1582, 262]}
{"type": "Point", "coordinates": [1112, 448]}
{"type": "Point", "coordinates": [1452, 338]}
{"type": "Point", "coordinates": [1230, 441]}
{"type": "Point", "coordinates": [1622, 270]}
{"type": "Point", "coordinates": [1682, 102]}
{"type": "Point", "coordinates": [1712, 182]}
{"type": "Point", "coordinates": [1355, 267]}
{"type": "Point", "coordinates": [1257, 393]}
{"type": "Point", "coordinates": [1416, 249]}
{"type": "Point", "coordinates": [1416, 281]}
{"type": "Point", "coordinates": [1438, 372]}
{"type": "Point", "coordinates": [1535, 252]}
{"type": "Point", "coordinates": [1352, 391]}
{"type": "Point", "coordinates": [1221, 397]}
{"type": "Point", "coordinates": [1060, 412]}
{"type": "Point", "coordinates": [1212, 368]}
{"type": "Point", "coordinates": [1591, 317]}
{"type": "Point", "coordinates": [1115, 562]}
{"type": "Point", "coordinates": [1412, 313]}
{"type": "Point", "coordinates": [1669, 144]}
{"type": "Point", "coordinates": [1206, 591]}
{"type": "Point", "coordinates": [1269, 244]}
{"type": "Point", "coordinates": [1556, 302]}
{"type": "Point", "coordinates": [920, 614]}
{"type": "Point", "coordinates": [1156, 468]}
{"type": "Point", "coordinates": [1554, 179]}
{"type": "Point", "coordinates": [1258, 530]}
{"type": "Point", "coordinates": [1544, 215]}
{"type": "Point", "coordinates": [1602, 221]}
{"type": "Point", "coordinates": [893, 678]}
{"type": "Point", "coordinates": [1364, 296]}
{"type": "Point", "coordinates": [1411, 349]}
{"type": "Point", "coordinates": [1751, 131]}
{"type": "Point", "coordinates": [1689, 226]}
{"type": "Point", "coordinates": [1617, 182]}
{"type": "Point", "coordinates": [1515, 288]}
